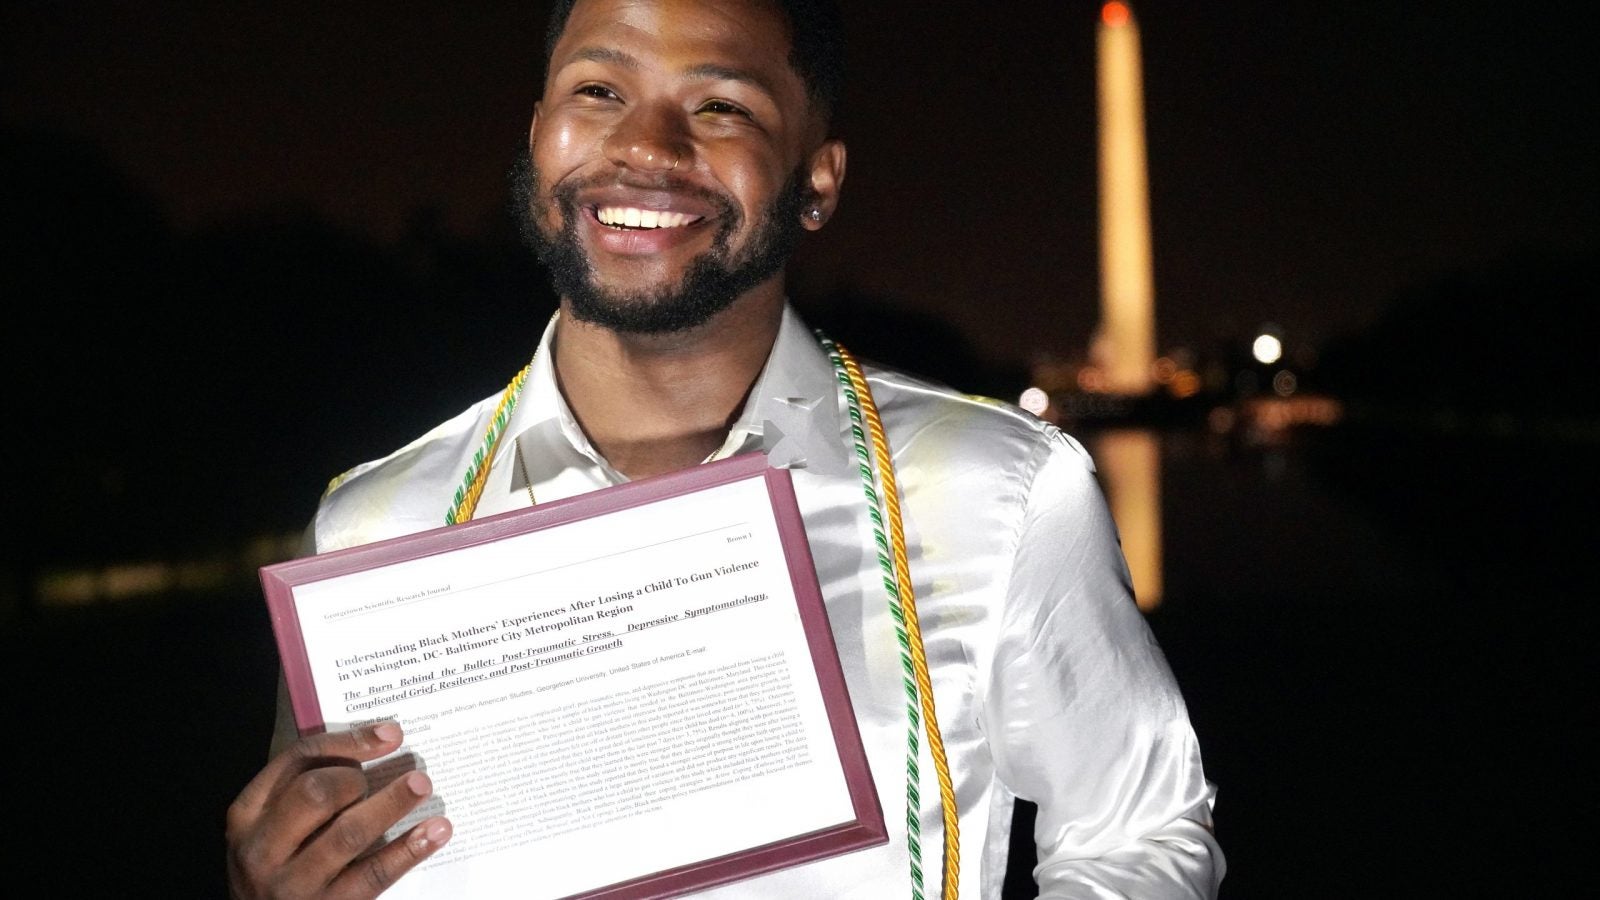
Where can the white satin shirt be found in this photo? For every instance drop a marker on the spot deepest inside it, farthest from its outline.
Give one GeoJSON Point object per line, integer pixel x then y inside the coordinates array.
{"type": "Point", "coordinates": [1048, 683]}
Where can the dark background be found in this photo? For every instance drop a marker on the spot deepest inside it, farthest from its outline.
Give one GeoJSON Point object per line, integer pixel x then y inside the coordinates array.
{"type": "Point", "coordinates": [249, 245]}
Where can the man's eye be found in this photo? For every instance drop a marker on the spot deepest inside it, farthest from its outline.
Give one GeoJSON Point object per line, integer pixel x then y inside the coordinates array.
{"type": "Point", "coordinates": [599, 92]}
{"type": "Point", "coordinates": [722, 108]}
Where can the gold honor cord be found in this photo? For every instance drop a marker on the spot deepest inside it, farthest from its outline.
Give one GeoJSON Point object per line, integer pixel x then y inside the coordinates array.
{"type": "Point", "coordinates": [908, 611]}
{"type": "Point", "coordinates": [465, 503]}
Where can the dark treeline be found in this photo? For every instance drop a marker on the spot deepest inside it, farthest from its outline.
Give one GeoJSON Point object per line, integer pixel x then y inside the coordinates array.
{"type": "Point", "coordinates": [181, 388]}
{"type": "Point", "coordinates": [1511, 339]}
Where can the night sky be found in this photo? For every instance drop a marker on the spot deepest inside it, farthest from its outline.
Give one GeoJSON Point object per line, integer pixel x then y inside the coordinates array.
{"type": "Point", "coordinates": [1308, 161]}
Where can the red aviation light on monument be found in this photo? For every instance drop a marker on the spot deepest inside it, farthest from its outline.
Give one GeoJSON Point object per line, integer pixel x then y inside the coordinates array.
{"type": "Point", "coordinates": [1115, 14]}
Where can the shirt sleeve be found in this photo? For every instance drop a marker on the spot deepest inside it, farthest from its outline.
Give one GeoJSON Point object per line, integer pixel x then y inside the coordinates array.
{"type": "Point", "coordinates": [1085, 717]}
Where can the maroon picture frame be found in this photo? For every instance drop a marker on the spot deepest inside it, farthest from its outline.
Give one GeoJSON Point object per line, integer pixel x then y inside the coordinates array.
{"type": "Point", "coordinates": [279, 581]}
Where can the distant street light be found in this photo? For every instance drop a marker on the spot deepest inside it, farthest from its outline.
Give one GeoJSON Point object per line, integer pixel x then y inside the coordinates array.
{"type": "Point", "coordinates": [1034, 400]}
{"type": "Point", "coordinates": [1267, 349]}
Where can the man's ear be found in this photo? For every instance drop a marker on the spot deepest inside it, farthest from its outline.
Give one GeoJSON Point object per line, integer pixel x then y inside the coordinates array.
{"type": "Point", "coordinates": [533, 126]}
{"type": "Point", "coordinates": [826, 179]}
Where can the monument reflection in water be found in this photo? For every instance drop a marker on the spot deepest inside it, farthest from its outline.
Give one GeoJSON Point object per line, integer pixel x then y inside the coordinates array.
{"type": "Point", "coordinates": [1129, 464]}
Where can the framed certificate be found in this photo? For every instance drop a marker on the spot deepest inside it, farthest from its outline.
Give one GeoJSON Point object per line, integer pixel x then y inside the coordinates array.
{"type": "Point", "coordinates": [631, 693]}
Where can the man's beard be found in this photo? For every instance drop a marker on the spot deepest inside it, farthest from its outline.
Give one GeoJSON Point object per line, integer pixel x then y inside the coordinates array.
{"type": "Point", "coordinates": [714, 280]}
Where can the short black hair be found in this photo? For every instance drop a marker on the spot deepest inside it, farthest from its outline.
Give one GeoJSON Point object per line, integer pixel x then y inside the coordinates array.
{"type": "Point", "coordinates": [816, 36]}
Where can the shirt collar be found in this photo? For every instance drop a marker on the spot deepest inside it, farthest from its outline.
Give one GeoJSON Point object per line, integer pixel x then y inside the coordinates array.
{"type": "Point", "coordinates": [792, 414]}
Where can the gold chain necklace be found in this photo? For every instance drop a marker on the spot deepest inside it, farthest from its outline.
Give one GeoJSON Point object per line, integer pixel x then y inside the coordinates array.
{"type": "Point", "coordinates": [522, 466]}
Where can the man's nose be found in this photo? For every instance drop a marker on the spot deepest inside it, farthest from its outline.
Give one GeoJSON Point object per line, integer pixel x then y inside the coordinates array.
{"type": "Point", "coordinates": [651, 140]}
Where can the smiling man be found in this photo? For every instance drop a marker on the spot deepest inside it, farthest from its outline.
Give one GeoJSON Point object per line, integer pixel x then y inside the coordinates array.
{"type": "Point", "coordinates": [679, 150]}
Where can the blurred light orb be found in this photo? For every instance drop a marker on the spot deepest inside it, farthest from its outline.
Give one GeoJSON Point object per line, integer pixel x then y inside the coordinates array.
{"type": "Point", "coordinates": [1284, 383]}
{"type": "Point", "coordinates": [1034, 400]}
{"type": "Point", "coordinates": [1267, 349]}
{"type": "Point", "coordinates": [1221, 420]}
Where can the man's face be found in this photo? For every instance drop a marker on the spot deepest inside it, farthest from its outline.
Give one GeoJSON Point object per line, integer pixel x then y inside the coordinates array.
{"type": "Point", "coordinates": [668, 174]}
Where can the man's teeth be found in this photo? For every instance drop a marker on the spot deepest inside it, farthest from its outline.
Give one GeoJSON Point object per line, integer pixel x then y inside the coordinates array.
{"type": "Point", "coordinates": [633, 217]}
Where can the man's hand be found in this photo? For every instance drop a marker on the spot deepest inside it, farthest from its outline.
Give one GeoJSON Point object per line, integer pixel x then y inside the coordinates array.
{"type": "Point", "coordinates": [301, 827]}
